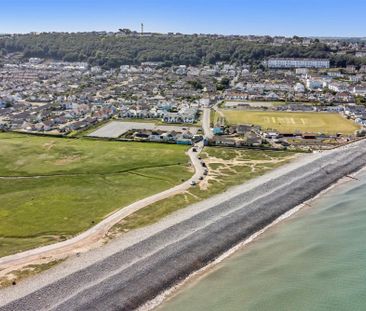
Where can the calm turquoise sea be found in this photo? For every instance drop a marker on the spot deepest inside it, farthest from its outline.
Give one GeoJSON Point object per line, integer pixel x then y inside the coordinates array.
{"type": "Point", "coordinates": [314, 261]}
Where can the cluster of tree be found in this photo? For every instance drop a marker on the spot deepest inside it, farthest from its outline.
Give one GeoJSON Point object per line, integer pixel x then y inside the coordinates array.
{"type": "Point", "coordinates": [111, 51]}
{"type": "Point", "coordinates": [196, 84]}
{"type": "Point", "coordinates": [360, 100]}
{"type": "Point", "coordinates": [223, 84]}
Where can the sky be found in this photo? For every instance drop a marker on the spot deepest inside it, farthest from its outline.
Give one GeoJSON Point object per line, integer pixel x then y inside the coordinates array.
{"type": "Point", "coordinates": [336, 18]}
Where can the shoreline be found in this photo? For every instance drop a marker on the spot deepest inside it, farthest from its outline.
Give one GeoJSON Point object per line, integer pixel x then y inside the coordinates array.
{"type": "Point", "coordinates": [203, 272]}
{"type": "Point", "coordinates": [149, 262]}
{"type": "Point", "coordinates": [93, 255]}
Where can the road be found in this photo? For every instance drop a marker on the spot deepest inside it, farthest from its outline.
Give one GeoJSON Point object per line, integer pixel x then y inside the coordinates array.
{"type": "Point", "coordinates": [206, 123]}
{"type": "Point", "coordinates": [157, 258]}
{"type": "Point", "coordinates": [93, 236]}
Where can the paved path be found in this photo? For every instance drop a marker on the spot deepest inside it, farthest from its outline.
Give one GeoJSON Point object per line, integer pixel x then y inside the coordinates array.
{"type": "Point", "coordinates": [206, 123]}
{"type": "Point", "coordinates": [94, 234]}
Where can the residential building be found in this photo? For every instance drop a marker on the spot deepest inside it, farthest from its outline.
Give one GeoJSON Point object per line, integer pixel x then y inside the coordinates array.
{"type": "Point", "coordinates": [299, 88]}
{"type": "Point", "coordinates": [313, 84]}
{"type": "Point", "coordinates": [360, 90]}
{"type": "Point", "coordinates": [298, 63]}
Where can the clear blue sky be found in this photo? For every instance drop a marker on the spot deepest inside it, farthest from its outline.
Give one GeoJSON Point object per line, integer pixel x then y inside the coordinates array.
{"type": "Point", "coordinates": [272, 17]}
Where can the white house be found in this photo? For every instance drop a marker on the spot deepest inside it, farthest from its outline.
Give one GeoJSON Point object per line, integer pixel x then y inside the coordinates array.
{"type": "Point", "coordinates": [360, 90]}
{"type": "Point", "coordinates": [337, 87]}
{"type": "Point", "coordinates": [299, 88]}
{"type": "Point", "coordinates": [301, 71]}
{"type": "Point", "coordinates": [314, 84]}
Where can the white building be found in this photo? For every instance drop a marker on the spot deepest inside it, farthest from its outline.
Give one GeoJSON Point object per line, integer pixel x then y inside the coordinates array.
{"type": "Point", "coordinates": [313, 84]}
{"type": "Point", "coordinates": [297, 63]}
{"type": "Point", "coordinates": [182, 70]}
{"type": "Point", "coordinates": [205, 102]}
{"type": "Point", "coordinates": [35, 60]}
{"type": "Point", "coordinates": [338, 87]}
{"type": "Point", "coordinates": [302, 71]}
{"type": "Point", "coordinates": [95, 69]}
{"type": "Point", "coordinates": [334, 74]}
{"type": "Point", "coordinates": [360, 54]}
{"type": "Point", "coordinates": [360, 90]}
{"type": "Point", "coordinates": [299, 88]}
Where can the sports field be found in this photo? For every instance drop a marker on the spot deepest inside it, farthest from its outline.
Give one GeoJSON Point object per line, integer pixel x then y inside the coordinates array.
{"type": "Point", "coordinates": [54, 188]}
{"type": "Point", "coordinates": [304, 122]}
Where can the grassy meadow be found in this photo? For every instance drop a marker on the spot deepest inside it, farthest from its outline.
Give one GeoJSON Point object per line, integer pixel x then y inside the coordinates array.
{"type": "Point", "coordinates": [227, 167]}
{"type": "Point", "coordinates": [303, 122]}
{"type": "Point", "coordinates": [54, 188]}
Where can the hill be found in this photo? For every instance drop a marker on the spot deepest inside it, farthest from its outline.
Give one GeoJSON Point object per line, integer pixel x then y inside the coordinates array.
{"type": "Point", "coordinates": [111, 50]}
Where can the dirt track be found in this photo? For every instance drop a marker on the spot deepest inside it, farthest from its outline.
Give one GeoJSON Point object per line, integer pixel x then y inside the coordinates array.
{"type": "Point", "coordinates": [93, 237]}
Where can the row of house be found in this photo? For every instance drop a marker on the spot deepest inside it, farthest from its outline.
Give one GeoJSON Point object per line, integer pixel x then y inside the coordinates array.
{"type": "Point", "coordinates": [185, 138]}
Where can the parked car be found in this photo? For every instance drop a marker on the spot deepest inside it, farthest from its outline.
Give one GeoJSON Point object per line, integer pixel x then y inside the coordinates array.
{"type": "Point", "coordinates": [193, 183]}
{"type": "Point", "coordinates": [194, 150]}
{"type": "Point", "coordinates": [201, 178]}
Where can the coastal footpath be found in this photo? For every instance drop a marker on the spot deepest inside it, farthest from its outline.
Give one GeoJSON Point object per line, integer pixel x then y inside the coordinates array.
{"type": "Point", "coordinates": [138, 271]}
{"type": "Point", "coordinates": [93, 236]}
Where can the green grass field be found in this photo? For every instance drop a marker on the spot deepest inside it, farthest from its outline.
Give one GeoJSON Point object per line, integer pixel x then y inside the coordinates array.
{"type": "Point", "coordinates": [54, 188]}
{"type": "Point", "coordinates": [304, 122]}
{"type": "Point", "coordinates": [227, 167]}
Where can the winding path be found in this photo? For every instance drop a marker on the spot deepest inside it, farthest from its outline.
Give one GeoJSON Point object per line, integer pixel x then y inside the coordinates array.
{"type": "Point", "coordinates": [93, 235]}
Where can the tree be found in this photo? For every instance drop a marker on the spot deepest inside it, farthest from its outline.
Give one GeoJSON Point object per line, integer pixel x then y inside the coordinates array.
{"type": "Point", "coordinates": [223, 84]}
{"type": "Point", "coordinates": [110, 51]}
{"type": "Point", "coordinates": [126, 31]}
{"type": "Point", "coordinates": [196, 84]}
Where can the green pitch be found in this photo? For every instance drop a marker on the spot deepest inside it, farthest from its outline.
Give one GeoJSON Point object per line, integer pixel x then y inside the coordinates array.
{"type": "Point", "coordinates": [304, 122]}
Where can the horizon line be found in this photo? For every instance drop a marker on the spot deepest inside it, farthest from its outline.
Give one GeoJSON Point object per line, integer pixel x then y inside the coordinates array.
{"type": "Point", "coordinates": [187, 34]}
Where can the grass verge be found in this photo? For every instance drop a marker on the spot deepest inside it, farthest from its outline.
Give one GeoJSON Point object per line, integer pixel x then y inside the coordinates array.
{"type": "Point", "coordinates": [227, 168]}
{"type": "Point", "coordinates": [13, 277]}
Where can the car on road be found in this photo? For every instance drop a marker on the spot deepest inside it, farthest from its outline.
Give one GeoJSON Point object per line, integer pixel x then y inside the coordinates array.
{"type": "Point", "coordinates": [193, 183]}
{"type": "Point", "coordinates": [194, 149]}
{"type": "Point", "coordinates": [201, 178]}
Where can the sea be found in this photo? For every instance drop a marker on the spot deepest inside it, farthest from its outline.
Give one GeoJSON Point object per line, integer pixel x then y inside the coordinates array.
{"type": "Point", "coordinates": [313, 261]}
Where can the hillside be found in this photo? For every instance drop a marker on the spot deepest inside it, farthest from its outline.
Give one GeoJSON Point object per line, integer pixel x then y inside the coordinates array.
{"type": "Point", "coordinates": [111, 50]}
